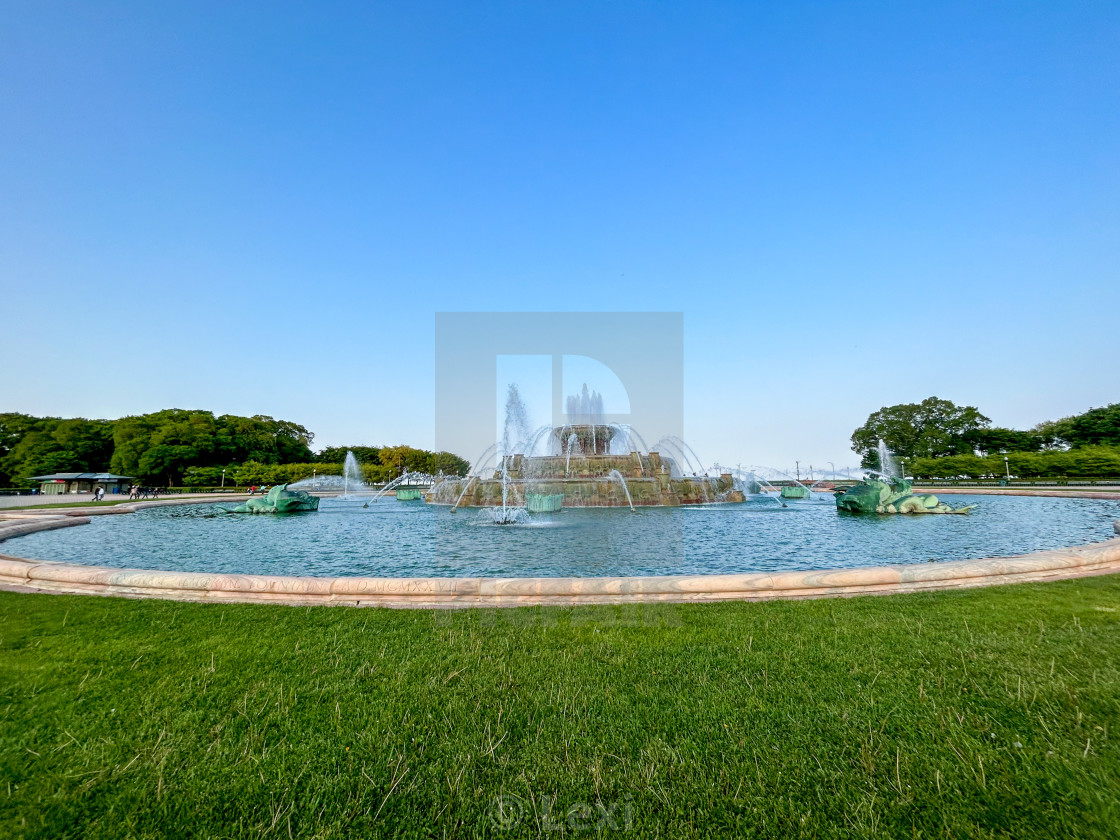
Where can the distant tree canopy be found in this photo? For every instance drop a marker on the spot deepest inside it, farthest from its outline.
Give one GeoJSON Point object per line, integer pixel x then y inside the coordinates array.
{"type": "Point", "coordinates": [337, 454]}
{"type": "Point", "coordinates": [1083, 462]}
{"type": "Point", "coordinates": [932, 428]}
{"type": "Point", "coordinates": [996, 439]}
{"type": "Point", "coordinates": [396, 459]}
{"type": "Point", "coordinates": [178, 446]}
{"type": "Point", "coordinates": [940, 439]}
{"type": "Point", "coordinates": [163, 445]}
{"type": "Point", "coordinates": [1096, 427]}
{"type": "Point", "coordinates": [39, 445]}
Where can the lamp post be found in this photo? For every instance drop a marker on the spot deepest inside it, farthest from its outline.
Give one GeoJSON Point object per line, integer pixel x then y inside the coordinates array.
{"type": "Point", "coordinates": [314, 480]}
{"type": "Point", "coordinates": [1006, 468]}
{"type": "Point", "coordinates": [223, 479]}
{"type": "Point", "coordinates": [797, 467]}
{"type": "Point", "coordinates": [902, 467]}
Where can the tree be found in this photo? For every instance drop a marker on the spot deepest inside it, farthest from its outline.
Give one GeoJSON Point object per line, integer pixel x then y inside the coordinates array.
{"type": "Point", "coordinates": [996, 439]}
{"type": "Point", "coordinates": [930, 429]}
{"type": "Point", "coordinates": [162, 446]}
{"type": "Point", "coordinates": [204, 477]}
{"type": "Point", "coordinates": [400, 459]}
{"type": "Point", "coordinates": [448, 463]}
{"type": "Point", "coordinates": [13, 428]}
{"type": "Point", "coordinates": [177, 445]}
{"type": "Point", "coordinates": [1096, 427]}
{"type": "Point", "coordinates": [50, 445]}
{"type": "Point", "coordinates": [264, 439]}
{"type": "Point", "coordinates": [337, 454]}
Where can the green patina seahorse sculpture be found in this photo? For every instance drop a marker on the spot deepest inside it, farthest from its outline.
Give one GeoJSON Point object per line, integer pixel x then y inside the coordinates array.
{"type": "Point", "coordinates": [280, 500]}
{"type": "Point", "coordinates": [892, 495]}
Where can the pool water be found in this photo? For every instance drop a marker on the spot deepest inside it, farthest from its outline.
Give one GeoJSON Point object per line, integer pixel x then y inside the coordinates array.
{"type": "Point", "coordinates": [411, 539]}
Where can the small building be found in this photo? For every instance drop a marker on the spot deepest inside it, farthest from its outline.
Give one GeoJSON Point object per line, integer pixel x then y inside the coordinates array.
{"type": "Point", "coordinates": [59, 483]}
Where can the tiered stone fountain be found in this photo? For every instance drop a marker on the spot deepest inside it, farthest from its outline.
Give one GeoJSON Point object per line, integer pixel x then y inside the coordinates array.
{"type": "Point", "coordinates": [586, 474]}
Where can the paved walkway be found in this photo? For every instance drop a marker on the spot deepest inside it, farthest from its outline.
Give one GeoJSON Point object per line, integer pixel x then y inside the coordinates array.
{"type": "Point", "coordinates": [72, 498]}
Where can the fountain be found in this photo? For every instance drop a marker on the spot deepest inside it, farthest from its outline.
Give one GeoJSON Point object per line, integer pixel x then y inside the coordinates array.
{"type": "Point", "coordinates": [750, 483]}
{"type": "Point", "coordinates": [398, 480]}
{"type": "Point", "coordinates": [617, 476]}
{"type": "Point", "coordinates": [351, 475]}
{"type": "Point", "coordinates": [349, 485]}
{"type": "Point", "coordinates": [586, 458]}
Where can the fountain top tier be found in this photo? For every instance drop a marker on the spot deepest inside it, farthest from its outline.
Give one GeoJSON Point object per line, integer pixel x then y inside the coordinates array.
{"type": "Point", "coordinates": [584, 439]}
{"type": "Point", "coordinates": [572, 465]}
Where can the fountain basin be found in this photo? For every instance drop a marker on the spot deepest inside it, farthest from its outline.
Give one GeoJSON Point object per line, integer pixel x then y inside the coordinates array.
{"type": "Point", "coordinates": [404, 540]}
{"type": "Point", "coordinates": [45, 576]}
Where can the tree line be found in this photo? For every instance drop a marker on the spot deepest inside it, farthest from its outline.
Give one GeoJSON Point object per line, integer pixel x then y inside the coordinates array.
{"type": "Point", "coordinates": [378, 464]}
{"type": "Point", "coordinates": [174, 446]}
{"type": "Point", "coordinates": [939, 439]}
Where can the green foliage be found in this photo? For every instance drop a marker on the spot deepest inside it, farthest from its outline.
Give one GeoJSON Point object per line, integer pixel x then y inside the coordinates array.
{"type": "Point", "coordinates": [256, 473]}
{"type": "Point", "coordinates": [399, 459]}
{"type": "Point", "coordinates": [207, 476]}
{"type": "Point", "coordinates": [162, 446]}
{"type": "Point", "coordinates": [42, 445]}
{"type": "Point", "coordinates": [384, 463]}
{"type": "Point", "coordinates": [981, 713]}
{"type": "Point", "coordinates": [941, 440]}
{"type": "Point", "coordinates": [337, 454]}
{"type": "Point", "coordinates": [189, 447]}
{"type": "Point", "coordinates": [376, 473]}
{"type": "Point", "coordinates": [448, 463]}
{"type": "Point", "coordinates": [993, 440]}
{"type": "Point", "coordinates": [261, 438]}
{"type": "Point", "coordinates": [929, 429]}
{"type": "Point", "coordinates": [1086, 462]}
{"type": "Point", "coordinates": [1096, 427]}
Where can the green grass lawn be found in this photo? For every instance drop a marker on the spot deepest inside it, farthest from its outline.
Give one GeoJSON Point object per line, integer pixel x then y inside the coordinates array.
{"type": "Point", "coordinates": [962, 714]}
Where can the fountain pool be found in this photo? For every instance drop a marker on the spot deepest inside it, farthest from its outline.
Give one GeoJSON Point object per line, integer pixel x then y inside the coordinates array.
{"type": "Point", "coordinates": [395, 539]}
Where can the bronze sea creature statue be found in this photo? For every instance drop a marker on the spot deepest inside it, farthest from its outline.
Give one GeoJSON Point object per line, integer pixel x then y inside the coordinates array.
{"type": "Point", "coordinates": [891, 494]}
{"type": "Point", "coordinates": [280, 500]}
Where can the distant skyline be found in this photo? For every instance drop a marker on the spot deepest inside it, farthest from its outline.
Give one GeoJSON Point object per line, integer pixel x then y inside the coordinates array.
{"type": "Point", "coordinates": [258, 209]}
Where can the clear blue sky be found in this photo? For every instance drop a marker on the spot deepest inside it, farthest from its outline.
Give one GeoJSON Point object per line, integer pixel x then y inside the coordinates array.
{"type": "Point", "coordinates": [853, 205]}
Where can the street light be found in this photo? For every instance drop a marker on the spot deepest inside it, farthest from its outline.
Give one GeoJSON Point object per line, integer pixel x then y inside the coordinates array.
{"type": "Point", "coordinates": [223, 479]}
{"type": "Point", "coordinates": [1006, 468]}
